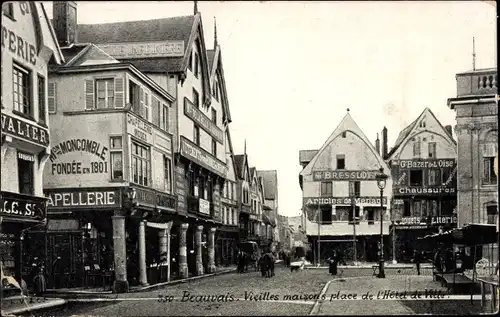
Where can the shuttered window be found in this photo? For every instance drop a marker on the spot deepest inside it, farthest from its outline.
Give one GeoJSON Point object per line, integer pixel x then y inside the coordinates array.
{"type": "Point", "coordinates": [147, 107]}
{"type": "Point", "coordinates": [41, 99]}
{"type": "Point", "coordinates": [119, 92]}
{"type": "Point", "coordinates": [89, 94]}
{"type": "Point", "coordinates": [105, 96]}
{"type": "Point", "coordinates": [52, 97]}
{"type": "Point", "coordinates": [164, 118]}
{"type": "Point", "coordinates": [156, 111]}
{"type": "Point", "coordinates": [105, 93]}
{"type": "Point", "coordinates": [416, 148]}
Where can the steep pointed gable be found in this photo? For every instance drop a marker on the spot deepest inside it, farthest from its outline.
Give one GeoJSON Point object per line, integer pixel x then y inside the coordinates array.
{"type": "Point", "coordinates": [270, 183]}
{"type": "Point", "coordinates": [409, 131]}
{"type": "Point", "coordinates": [239, 161]}
{"type": "Point", "coordinates": [346, 125]}
{"type": "Point", "coordinates": [217, 71]}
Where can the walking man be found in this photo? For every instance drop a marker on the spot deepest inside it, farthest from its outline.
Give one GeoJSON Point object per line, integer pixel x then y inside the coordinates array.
{"type": "Point", "coordinates": [417, 258]}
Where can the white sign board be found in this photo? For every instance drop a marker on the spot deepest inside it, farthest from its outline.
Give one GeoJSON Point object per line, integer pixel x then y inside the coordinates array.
{"type": "Point", "coordinates": [204, 207]}
{"type": "Point", "coordinates": [144, 49]}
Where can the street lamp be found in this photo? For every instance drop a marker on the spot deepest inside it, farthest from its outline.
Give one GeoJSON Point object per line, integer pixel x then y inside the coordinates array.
{"type": "Point", "coordinates": [381, 182]}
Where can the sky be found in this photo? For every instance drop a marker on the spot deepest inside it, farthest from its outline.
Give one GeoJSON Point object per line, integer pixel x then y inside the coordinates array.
{"type": "Point", "coordinates": [293, 68]}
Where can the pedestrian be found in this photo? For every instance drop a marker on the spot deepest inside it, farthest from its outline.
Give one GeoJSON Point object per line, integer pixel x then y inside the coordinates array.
{"type": "Point", "coordinates": [417, 259]}
{"type": "Point", "coordinates": [333, 261]}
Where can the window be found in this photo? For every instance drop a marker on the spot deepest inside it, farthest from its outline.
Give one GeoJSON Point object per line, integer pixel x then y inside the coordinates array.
{"type": "Point", "coordinates": [196, 135]}
{"type": "Point", "coordinates": [489, 176]}
{"type": "Point", "coordinates": [326, 215]}
{"type": "Point", "coordinates": [51, 97]}
{"type": "Point", "coordinates": [134, 97]}
{"type": "Point", "coordinates": [417, 208]}
{"type": "Point", "coordinates": [326, 189]}
{"type": "Point", "coordinates": [25, 170]}
{"type": "Point", "coordinates": [422, 124]}
{"type": "Point", "coordinates": [22, 90]}
{"type": "Point", "coordinates": [233, 190]}
{"type": "Point", "coordinates": [116, 157]}
{"type": "Point", "coordinates": [416, 148]}
{"type": "Point", "coordinates": [356, 210]}
{"type": "Point", "coordinates": [164, 118]}
{"type": "Point", "coordinates": [214, 116]}
{"type": "Point", "coordinates": [406, 208]}
{"type": "Point", "coordinates": [41, 100]}
{"type": "Point", "coordinates": [216, 90]}
{"type": "Point", "coordinates": [432, 149]}
{"type": "Point", "coordinates": [193, 183]}
{"type": "Point", "coordinates": [196, 64]}
{"type": "Point", "coordinates": [196, 98]}
{"type": "Point", "coordinates": [190, 64]}
{"type": "Point", "coordinates": [214, 148]}
{"type": "Point", "coordinates": [492, 212]}
{"type": "Point", "coordinates": [416, 178]}
{"type": "Point", "coordinates": [141, 164]}
{"type": "Point", "coordinates": [434, 177]}
{"type": "Point", "coordinates": [105, 93]}
{"type": "Point", "coordinates": [8, 10]}
{"type": "Point", "coordinates": [167, 165]}
{"type": "Point", "coordinates": [357, 188]}
{"type": "Point", "coordinates": [370, 216]}
{"type": "Point", "coordinates": [344, 134]}
{"type": "Point", "coordinates": [340, 162]}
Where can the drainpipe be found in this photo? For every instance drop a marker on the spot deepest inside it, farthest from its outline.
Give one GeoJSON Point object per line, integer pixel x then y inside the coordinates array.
{"type": "Point", "coordinates": [471, 128]}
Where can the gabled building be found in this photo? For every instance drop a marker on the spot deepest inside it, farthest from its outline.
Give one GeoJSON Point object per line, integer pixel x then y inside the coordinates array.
{"type": "Point", "coordinates": [338, 188]}
{"type": "Point", "coordinates": [28, 44]}
{"type": "Point", "coordinates": [243, 194]}
{"type": "Point", "coordinates": [424, 173]}
{"type": "Point", "coordinates": [173, 53]}
{"type": "Point", "coordinates": [269, 180]}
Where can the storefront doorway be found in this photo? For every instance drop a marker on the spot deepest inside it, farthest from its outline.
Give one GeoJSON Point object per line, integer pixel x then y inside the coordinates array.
{"type": "Point", "coordinates": [64, 260]}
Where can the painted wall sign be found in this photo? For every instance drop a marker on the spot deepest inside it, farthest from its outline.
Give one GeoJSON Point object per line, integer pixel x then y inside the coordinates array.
{"type": "Point", "coordinates": [139, 128]}
{"type": "Point", "coordinates": [18, 46]}
{"type": "Point", "coordinates": [25, 156]}
{"type": "Point", "coordinates": [438, 220]}
{"type": "Point", "coordinates": [14, 205]}
{"type": "Point", "coordinates": [144, 49]}
{"type": "Point", "coordinates": [204, 206]}
{"type": "Point", "coordinates": [345, 175]}
{"type": "Point", "coordinates": [82, 166]}
{"type": "Point", "coordinates": [180, 188]}
{"type": "Point", "coordinates": [202, 157]}
{"type": "Point", "coordinates": [24, 130]}
{"type": "Point", "coordinates": [163, 142]}
{"type": "Point", "coordinates": [406, 190]}
{"type": "Point", "coordinates": [102, 197]}
{"type": "Point", "coordinates": [368, 200]}
{"type": "Point", "coordinates": [165, 201]}
{"type": "Point", "coordinates": [145, 197]}
{"type": "Point", "coordinates": [199, 117]}
{"type": "Point", "coordinates": [433, 163]}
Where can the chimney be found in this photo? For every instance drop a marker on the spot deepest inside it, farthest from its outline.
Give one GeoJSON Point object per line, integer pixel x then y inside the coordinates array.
{"type": "Point", "coordinates": [65, 22]}
{"type": "Point", "coordinates": [377, 145]}
{"type": "Point", "coordinates": [449, 130]}
{"type": "Point", "coordinates": [384, 143]}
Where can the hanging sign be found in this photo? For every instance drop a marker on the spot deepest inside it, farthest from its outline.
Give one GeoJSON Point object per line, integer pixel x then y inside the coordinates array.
{"type": "Point", "coordinates": [14, 205]}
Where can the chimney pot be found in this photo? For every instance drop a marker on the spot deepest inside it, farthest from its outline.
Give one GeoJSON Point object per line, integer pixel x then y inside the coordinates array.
{"type": "Point", "coordinates": [384, 143]}
{"type": "Point", "coordinates": [377, 145]}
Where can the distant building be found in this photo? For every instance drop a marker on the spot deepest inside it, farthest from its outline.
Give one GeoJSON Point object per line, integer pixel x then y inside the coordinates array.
{"type": "Point", "coordinates": [423, 169]}
{"type": "Point", "coordinates": [476, 106]}
{"type": "Point", "coordinates": [269, 180]}
{"type": "Point", "coordinates": [344, 168]}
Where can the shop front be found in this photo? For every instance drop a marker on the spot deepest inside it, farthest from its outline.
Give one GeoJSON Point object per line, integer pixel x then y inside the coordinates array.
{"type": "Point", "coordinates": [18, 214]}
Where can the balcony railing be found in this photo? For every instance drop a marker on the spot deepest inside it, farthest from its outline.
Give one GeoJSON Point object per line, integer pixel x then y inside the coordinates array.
{"type": "Point", "coordinates": [480, 82]}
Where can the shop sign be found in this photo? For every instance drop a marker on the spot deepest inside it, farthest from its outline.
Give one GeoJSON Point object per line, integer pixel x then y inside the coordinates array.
{"type": "Point", "coordinates": [80, 198]}
{"type": "Point", "coordinates": [145, 197]}
{"type": "Point", "coordinates": [14, 205]}
{"type": "Point", "coordinates": [433, 163]}
{"type": "Point", "coordinates": [25, 131]}
{"type": "Point", "coordinates": [200, 118]}
{"type": "Point", "coordinates": [144, 49]}
{"type": "Point", "coordinates": [366, 200]}
{"type": "Point", "coordinates": [202, 157]}
{"type": "Point", "coordinates": [18, 46]}
{"type": "Point", "coordinates": [407, 190]}
{"type": "Point", "coordinates": [139, 128]}
{"type": "Point", "coordinates": [204, 206]}
{"type": "Point", "coordinates": [165, 201]}
{"type": "Point", "coordinates": [441, 220]}
{"type": "Point", "coordinates": [245, 209]}
{"type": "Point", "coordinates": [366, 175]}
{"type": "Point", "coordinates": [25, 156]}
{"type": "Point", "coordinates": [98, 165]}
{"type": "Point", "coordinates": [252, 217]}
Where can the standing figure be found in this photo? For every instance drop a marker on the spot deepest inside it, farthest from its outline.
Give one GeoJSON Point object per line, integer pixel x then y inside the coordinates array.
{"type": "Point", "coordinates": [333, 261]}
{"type": "Point", "coordinates": [417, 258]}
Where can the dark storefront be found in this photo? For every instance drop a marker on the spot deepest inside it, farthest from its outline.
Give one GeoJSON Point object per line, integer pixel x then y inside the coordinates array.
{"type": "Point", "coordinates": [19, 214]}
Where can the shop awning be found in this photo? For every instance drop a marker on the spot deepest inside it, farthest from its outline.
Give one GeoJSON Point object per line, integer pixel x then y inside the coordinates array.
{"type": "Point", "coordinates": [472, 234]}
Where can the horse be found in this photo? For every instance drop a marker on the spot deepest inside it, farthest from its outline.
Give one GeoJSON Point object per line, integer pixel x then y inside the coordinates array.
{"type": "Point", "coordinates": [266, 264]}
